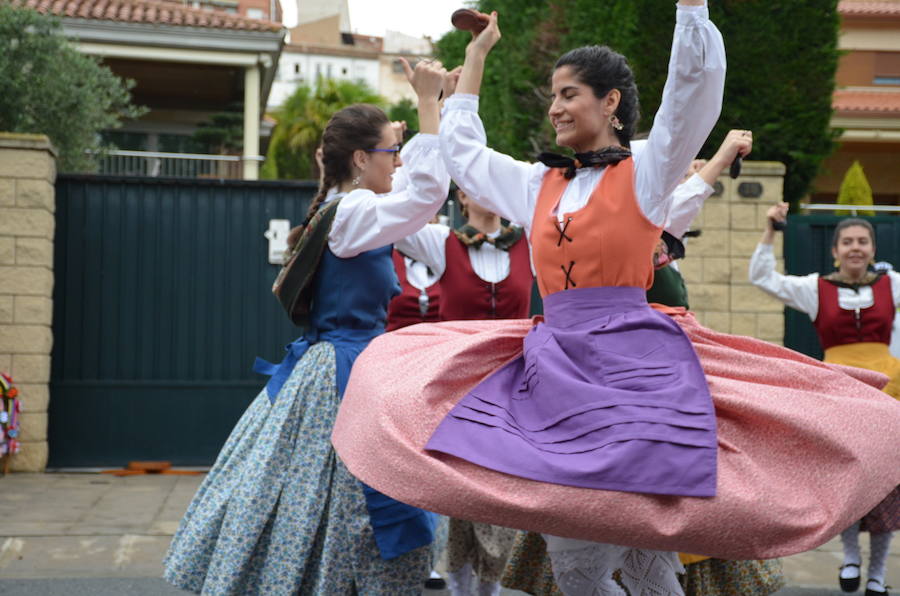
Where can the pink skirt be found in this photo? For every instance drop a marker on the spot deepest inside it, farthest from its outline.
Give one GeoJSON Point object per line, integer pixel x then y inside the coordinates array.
{"type": "Point", "coordinates": [804, 448]}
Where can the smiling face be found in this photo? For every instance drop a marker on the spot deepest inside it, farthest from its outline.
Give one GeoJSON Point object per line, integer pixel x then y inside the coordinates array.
{"type": "Point", "coordinates": [580, 118]}
{"type": "Point", "coordinates": [376, 167]}
{"type": "Point", "coordinates": [854, 250]}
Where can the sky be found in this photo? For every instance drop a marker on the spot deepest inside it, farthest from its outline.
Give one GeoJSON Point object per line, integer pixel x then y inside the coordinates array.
{"type": "Point", "coordinates": [413, 17]}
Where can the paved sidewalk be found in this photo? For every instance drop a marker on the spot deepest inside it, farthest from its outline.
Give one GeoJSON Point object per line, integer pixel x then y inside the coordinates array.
{"type": "Point", "coordinates": [97, 534]}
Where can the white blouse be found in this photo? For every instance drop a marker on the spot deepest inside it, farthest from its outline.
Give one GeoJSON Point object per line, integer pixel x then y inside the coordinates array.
{"type": "Point", "coordinates": [429, 245]}
{"type": "Point", "coordinates": [802, 291]}
{"type": "Point", "coordinates": [365, 221]}
{"type": "Point", "coordinates": [419, 275]}
{"type": "Point", "coordinates": [690, 106]}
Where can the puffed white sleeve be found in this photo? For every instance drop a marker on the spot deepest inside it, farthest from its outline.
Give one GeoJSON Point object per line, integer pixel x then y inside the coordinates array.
{"type": "Point", "coordinates": [365, 221]}
{"type": "Point", "coordinates": [495, 181]}
{"type": "Point", "coordinates": [799, 292]}
{"type": "Point", "coordinates": [691, 103]}
{"type": "Point", "coordinates": [895, 287]}
{"type": "Point", "coordinates": [427, 246]}
{"type": "Point", "coordinates": [409, 152]}
{"type": "Point", "coordinates": [687, 201]}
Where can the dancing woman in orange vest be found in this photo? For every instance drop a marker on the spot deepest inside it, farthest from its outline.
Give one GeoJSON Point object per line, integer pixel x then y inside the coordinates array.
{"type": "Point", "coordinates": [620, 432]}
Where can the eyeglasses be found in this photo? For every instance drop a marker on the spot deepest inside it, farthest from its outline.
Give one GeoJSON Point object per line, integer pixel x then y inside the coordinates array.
{"type": "Point", "coordinates": [394, 149]}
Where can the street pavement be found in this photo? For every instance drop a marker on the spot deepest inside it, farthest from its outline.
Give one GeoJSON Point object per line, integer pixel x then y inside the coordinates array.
{"type": "Point", "coordinates": [100, 535]}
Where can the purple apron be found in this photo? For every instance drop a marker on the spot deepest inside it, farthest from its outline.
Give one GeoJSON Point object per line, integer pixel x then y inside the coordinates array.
{"type": "Point", "coordinates": [608, 394]}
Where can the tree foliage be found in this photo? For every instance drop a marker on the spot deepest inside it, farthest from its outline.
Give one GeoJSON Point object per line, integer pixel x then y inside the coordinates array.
{"type": "Point", "coordinates": [782, 58]}
{"type": "Point", "coordinates": [301, 121]}
{"type": "Point", "coordinates": [223, 133]}
{"type": "Point", "coordinates": [855, 190]}
{"type": "Point", "coordinates": [405, 111]}
{"type": "Point", "coordinates": [48, 87]}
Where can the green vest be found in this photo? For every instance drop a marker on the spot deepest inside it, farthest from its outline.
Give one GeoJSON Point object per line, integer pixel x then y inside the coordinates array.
{"type": "Point", "coordinates": [668, 288]}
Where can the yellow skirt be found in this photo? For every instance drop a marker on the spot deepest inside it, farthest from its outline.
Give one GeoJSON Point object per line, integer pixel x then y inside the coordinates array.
{"type": "Point", "coordinates": [872, 356]}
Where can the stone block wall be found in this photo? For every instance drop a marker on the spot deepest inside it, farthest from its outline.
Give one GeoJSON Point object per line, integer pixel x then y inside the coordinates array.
{"type": "Point", "coordinates": [716, 267]}
{"type": "Point", "coordinates": [27, 205]}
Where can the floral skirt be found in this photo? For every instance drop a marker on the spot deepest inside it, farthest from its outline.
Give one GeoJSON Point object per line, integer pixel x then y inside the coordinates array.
{"type": "Point", "coordinates": [484, 546]}
{"type": "Point", "coordinates": [279, 513]}
{"type": "Point", "coordinates": [529, 570]}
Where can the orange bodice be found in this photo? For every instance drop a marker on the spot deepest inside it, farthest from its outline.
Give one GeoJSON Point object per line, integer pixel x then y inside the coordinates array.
{"type": "Point", "coordinates": [608, 242]}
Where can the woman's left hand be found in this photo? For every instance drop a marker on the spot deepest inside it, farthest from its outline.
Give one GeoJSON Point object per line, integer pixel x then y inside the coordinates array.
{"type": "Point", "coordinates": [427, 79]}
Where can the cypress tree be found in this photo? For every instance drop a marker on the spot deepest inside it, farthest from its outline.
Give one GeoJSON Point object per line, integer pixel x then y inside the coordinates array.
{"type": "Point", "coordinates": [855, 190]}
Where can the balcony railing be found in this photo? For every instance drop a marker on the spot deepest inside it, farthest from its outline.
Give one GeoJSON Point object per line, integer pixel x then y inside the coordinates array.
{"type": "Point", "coordinates": [178, 165]}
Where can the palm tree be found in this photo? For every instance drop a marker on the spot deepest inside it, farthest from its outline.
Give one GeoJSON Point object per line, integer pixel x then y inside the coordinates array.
{"type": "Point", "coordinates": [301, 120]}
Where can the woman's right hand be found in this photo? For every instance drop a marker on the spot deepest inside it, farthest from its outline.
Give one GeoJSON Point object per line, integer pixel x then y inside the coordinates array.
{"type": "Point", "coordinates": [427, 79]}
{"type": "Point", "coordinates": [777, 212]}
{"type": "Point", "coordinates": [482, 43]}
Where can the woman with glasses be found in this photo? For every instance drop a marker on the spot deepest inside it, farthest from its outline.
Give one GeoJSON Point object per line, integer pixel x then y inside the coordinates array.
{"type": "Point", "coordinates": [279, 513]}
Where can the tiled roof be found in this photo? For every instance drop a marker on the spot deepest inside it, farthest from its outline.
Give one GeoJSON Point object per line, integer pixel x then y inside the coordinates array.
{"type": "Point", "coordinates": [869, 8]}
{"type": "Point", "coordinates": [149, 12]}
{"type": "Point", "coordinates": [885, 103]}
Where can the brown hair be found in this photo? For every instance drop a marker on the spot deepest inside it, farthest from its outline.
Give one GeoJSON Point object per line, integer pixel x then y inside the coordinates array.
{"type": "Point", "coordinates": [849, 223]}
{"type": "Point", "coordinates": [355, 127]}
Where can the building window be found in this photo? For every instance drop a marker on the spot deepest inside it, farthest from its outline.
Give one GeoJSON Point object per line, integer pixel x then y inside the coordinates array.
{"type": "Point", "coordinates": [297, 68]}
{"type": "Point", "coordinates": [328, 72]}
{"type": "Point", "coordinates": [255, 13]}
{"type": "Point", "coordinates": [318, 70]}
{"type": "Point", "coordinates": [344, 71]}
{"type": "Point", "coordinates": [887, 68]}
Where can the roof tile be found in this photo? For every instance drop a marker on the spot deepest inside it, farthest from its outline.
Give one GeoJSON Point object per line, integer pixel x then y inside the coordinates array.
{"type": "Point", "coordinates": [871, 103]}
{"type": "Point", "coordinates": [869, 8]}
{"type": "Point", "coordinates": [151, 12]}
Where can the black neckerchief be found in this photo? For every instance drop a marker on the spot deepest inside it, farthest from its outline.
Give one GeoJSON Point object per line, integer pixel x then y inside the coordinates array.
{"type": "Point", "coordinates": [591, 159]}
{"type": "Point", "coordinates": [870, 278]}
{"type": "Point", "coordinates": [508, 236]}
{"type": "Point", "coordinates": [406, 256]}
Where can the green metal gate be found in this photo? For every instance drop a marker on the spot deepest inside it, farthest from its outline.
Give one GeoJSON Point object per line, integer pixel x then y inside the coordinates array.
{"type": "Point", "coordinates": [162, 300]}
{"type": "Point", "coordinates": [807, 249]}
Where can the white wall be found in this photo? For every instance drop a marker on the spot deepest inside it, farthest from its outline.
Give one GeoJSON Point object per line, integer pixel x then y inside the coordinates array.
{"type": "Point", "coordinates": [312, 65]}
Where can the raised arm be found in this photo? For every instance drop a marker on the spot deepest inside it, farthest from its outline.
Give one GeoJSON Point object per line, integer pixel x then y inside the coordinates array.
{"type": "Point", "coordinates": [689, 196]}
{"type": "Point", "coordinates": [364, 220]}
{"type": "Point", "coordinates": [799, 292]}
{"type": "Point", "coordinates": [494, 180]}
{"type": "Point", "coordinates": [691, 102]}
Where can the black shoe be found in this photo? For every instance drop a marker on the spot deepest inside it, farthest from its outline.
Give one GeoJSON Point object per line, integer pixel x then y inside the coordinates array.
{"type": "Point", "coordinates": [849, 584]}
{"type": "Point", "coordinates": [871, 592]}
{"type": "Point", "coordinates": [435, 583]}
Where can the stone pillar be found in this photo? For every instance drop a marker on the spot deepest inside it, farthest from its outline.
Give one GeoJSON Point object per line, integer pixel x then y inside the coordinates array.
{"type": "Point", "coordinates": [27, 205]}
{"type": "Point", "coordinates": [716, 267]}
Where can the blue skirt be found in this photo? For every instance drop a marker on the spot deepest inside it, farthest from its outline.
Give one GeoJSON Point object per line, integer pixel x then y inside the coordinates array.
{"type": "Point", "coordinates": [278, 513]}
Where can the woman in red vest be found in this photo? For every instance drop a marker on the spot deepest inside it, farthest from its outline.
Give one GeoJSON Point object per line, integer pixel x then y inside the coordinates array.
{"type": "Point", "coordinates": [621, 432]}
{"type": "Point", "coordinates": [485, 273]}
{"type": "Point", "coordinates": [853, 311]}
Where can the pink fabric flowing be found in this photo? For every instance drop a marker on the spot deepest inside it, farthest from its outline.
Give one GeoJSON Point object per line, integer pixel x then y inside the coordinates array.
{"type": "Point", "coordinates": [804, 448]}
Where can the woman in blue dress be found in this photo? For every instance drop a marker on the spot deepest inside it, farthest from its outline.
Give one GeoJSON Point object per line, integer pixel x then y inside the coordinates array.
{"type": "Point", "coordinates": [279, 513]}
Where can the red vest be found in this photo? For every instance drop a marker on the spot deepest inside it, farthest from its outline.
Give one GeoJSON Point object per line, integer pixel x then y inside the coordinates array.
{"type": "Point", "coordinates": [406, 308]}
{"type": "Point", "coordinates": [837, 326]}
{"type": "Point", "coordinates": [465, 296]}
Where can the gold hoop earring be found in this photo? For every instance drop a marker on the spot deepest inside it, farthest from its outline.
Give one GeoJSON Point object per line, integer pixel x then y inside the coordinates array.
{"type": "Point", "coordinates": [615, 122]}
{"type": "Point", "coordinates": [837, 264]}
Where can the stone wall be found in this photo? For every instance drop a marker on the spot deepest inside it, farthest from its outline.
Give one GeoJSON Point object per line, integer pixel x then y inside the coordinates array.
{"type": "Point", "coordinates": [716, 266]}
{"type": "Point", "coordinates": [27, 205]}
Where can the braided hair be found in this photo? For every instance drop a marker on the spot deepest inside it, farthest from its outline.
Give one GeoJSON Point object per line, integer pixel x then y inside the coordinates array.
{"type": "Point", "coordinates": [603, 70]}
{"type": "Point", "coordinates": [353, 128]}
